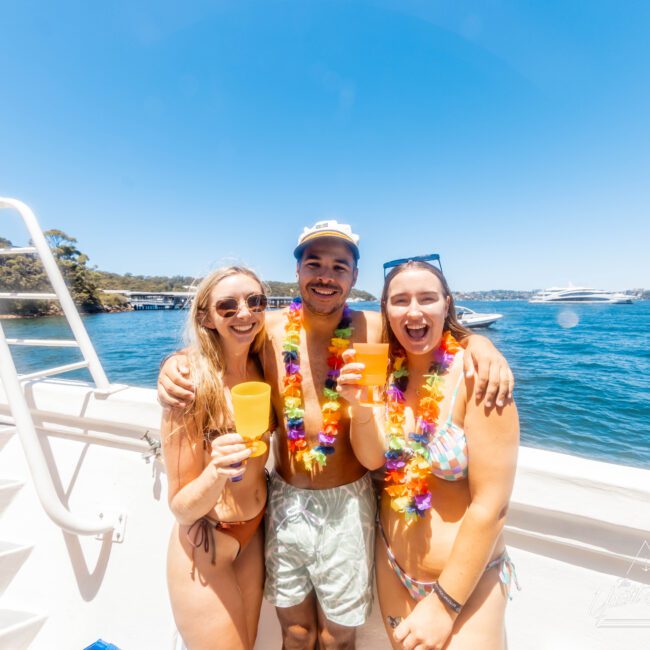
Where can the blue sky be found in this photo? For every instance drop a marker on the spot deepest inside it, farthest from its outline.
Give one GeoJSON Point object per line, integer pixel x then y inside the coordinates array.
{"type": "Point", "coordinates": [511, 137]}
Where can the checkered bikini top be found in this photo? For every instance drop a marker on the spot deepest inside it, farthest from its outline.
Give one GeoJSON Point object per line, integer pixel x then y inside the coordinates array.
{"type": "Point", "coordinates": [448, 446]}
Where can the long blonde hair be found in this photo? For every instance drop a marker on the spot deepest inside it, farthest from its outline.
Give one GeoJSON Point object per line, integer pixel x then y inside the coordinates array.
{"type": "Point", "coordinates": [207, 357]}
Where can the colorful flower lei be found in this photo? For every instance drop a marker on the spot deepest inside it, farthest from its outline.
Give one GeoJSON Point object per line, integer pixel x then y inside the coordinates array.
{"type": "Point", "coordinates": [294, 412]}
{"type": "Point", "coordinates": [408, 459]}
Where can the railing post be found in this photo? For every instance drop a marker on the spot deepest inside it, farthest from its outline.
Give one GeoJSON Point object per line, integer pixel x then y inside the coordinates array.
{"type": "Point", "coordinates": [58, 284]}
{"type": "Point", "coordinates": [103, 522]}
{"type": "Point", "coordinates": [40, 472]}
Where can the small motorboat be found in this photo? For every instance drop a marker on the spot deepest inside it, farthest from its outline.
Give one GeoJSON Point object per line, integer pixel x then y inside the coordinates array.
{"type": "Point", "coordinates": [469, 318]}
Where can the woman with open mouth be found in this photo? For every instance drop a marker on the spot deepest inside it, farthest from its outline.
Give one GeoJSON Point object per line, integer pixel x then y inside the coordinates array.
{"type": "Point", "coordinates": [443, 573]}
{"type": "Point", "coordinates": [215, 561]}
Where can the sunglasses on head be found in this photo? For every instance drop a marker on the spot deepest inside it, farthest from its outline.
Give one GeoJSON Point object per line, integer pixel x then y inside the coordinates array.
{"type": "Point", "coordinates": [433, 257]}
{"type": "Point", "coordinates": [228, 307]}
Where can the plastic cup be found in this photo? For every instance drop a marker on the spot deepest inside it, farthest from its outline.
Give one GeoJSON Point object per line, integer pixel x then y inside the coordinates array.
{"type": "Point", "coordinates": [251, 402]}
{"type": "Point", "coordinates": [375, 358]}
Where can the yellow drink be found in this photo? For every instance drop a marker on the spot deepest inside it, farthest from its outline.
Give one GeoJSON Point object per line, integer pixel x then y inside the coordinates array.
{"type": "Point", "coordinates": [375, 358]}
{"type": "Point", "coordinates": [251, 402]}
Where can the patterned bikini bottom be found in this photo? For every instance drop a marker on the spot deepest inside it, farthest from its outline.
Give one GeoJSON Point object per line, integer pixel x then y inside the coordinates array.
{"type": "Point", "coordinates": [419, 589]}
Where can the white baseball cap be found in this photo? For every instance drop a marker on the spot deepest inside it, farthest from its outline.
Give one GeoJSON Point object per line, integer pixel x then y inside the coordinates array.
{"type": "Point", "coordinates": [332, 229]}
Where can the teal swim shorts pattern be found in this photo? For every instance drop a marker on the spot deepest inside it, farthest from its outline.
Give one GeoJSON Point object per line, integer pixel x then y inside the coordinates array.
{"type": "Point", "coordinates": [321, 540]}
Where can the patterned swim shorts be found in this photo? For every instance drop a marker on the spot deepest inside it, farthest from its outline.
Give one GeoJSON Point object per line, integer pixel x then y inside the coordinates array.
{"type": "Point", "coordinates": [321, 540]}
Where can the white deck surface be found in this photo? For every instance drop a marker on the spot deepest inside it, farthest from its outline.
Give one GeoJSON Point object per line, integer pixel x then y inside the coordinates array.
{"type": "Point", "coordinates": [560, 607]}
{"type": "Point", "coordinates": [574, 530]}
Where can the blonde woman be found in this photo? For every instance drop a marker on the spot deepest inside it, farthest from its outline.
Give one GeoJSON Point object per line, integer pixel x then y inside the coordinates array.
{"type": "Point", "coordinates": [215, 562]}
{"type": "Point", "coordinates": [443, 573]}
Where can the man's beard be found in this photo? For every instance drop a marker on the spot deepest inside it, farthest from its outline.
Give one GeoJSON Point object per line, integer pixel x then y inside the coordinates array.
{"type": "Point", "coordinates": [323, 310]}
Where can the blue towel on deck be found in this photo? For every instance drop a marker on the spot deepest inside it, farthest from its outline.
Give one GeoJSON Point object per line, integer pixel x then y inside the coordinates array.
{"type": "Point", "coordinates": [101, 645]}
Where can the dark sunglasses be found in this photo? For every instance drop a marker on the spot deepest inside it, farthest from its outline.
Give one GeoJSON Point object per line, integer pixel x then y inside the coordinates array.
{"type": "Point", "coordinates": [434, 257]}
{"type": "Point", "coordinates": [228, 307]}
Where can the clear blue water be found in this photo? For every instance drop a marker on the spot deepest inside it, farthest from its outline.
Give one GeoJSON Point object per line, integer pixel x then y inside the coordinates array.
{"type": "Point", "coordinates": [582, 371]}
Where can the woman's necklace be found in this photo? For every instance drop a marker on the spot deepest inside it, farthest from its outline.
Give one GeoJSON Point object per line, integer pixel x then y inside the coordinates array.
{"type": "Point", "coordinates": [408, 459]}
{"type": "Point", "coordinates": [294, 412]}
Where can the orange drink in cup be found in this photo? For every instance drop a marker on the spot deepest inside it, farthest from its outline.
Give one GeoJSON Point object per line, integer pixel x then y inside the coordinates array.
{"type": "Point", "coordinates": [375, 357]}
{"type": "Point", "coordinates": [251, 402]}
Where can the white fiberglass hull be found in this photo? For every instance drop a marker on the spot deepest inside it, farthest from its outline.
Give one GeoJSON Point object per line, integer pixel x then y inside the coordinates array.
{"type": "Point", "coordinates": [574, 528]}
{"type": "Point", "coordinates": [611, 301]}
{"type": "Point", "coordinates": [582, 296]}
{"type": "Point", "coordinates": [480, 320]}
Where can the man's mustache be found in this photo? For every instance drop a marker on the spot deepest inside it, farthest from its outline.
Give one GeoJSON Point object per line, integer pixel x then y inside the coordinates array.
{"type": "Point", "coordinates": [327, 287]}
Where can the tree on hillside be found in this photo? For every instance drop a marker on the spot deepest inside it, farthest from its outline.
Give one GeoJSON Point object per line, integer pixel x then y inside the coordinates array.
{"type": "Point", "coordinates": [130, 282]}
{"type": "Point", "coordinates": [25, 273]}
{"type": "Point", "coordinates": [72, 262]}
{"type": "Point", "coordinates": [22, 273]}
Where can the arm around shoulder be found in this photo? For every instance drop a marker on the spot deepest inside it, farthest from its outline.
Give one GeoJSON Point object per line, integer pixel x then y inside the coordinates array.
{"type": "Point", "coordinates": [495, 381]}
{"type": "Point", "coordinates": [175, 388]}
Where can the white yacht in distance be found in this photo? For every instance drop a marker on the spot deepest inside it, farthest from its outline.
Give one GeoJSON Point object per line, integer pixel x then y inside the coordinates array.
{"type": "Point", "coordinates": [84, 520]}
{"type": "Point", "coordinates": [469, 318]}
{"type": "Point", "coordinates": [582, 295]}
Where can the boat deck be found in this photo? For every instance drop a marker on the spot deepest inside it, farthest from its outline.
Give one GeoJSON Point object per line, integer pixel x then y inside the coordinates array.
{"type": "Point", "coordinates": [578, 532]}
{"type": "Point", "coordinates": [560, 607]}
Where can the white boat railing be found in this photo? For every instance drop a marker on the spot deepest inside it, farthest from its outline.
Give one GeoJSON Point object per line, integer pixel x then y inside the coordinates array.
{"type": "Point", "coordinates": [41, 248]}
{"type": "Point", "coordinates": [102, 522]}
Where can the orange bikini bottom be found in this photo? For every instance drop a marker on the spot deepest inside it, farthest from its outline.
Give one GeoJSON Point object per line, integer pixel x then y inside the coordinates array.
{"type": "Point", "coordinates": [200, 532]}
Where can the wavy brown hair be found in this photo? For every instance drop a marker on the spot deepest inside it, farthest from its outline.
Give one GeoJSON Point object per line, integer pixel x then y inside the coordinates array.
{"type": "Point", "coordinates": [452, 323]}
{"type": "Point", "coordinates": [205, 350]}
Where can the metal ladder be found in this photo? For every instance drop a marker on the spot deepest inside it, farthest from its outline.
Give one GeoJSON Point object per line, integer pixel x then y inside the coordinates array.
{"type": "Point", "coordinates": [103, 522]}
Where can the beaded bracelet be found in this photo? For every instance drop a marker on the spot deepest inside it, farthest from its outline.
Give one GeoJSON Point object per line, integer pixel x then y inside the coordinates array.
{"type": "Point", "coordinates": [446, 598]}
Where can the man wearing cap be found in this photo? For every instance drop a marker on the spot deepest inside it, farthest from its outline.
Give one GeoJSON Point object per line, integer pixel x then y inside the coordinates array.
{"type": "Point", "coordinates": [321, 505]}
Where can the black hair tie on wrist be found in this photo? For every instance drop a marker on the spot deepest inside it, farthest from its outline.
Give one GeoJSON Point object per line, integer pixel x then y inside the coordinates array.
{"type": "Point", "coordinates": [446, 598]}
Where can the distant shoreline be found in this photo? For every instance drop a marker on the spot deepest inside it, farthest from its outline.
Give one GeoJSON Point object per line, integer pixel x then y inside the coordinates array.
{"type": "Point", "coordinates": [457, 297]}
{"type": "Point", "coordinates": [110, 310]}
